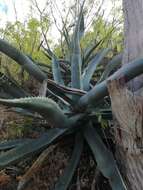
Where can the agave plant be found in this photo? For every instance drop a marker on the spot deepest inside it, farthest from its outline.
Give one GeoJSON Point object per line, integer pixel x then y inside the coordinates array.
{"type": "Point", "coordinates": [75, 109]}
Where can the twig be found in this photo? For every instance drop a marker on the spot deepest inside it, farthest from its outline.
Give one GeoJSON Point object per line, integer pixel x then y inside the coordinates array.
{"type": "Point", "coordinates": [34, 168]}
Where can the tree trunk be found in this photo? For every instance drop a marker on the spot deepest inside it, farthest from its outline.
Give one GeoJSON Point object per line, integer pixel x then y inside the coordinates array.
{"type": "Point", "coordinates": [133, 35]}
{"type": "Point", "coordinates": [126, 104]}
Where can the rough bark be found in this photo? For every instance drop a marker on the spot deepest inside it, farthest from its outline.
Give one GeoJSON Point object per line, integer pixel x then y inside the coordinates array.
{"type": "Point", "coordinates": [128, 110]}
{"type": "Point", "coordinates": [133, 32]}
{"type": "Point", "coordinates": [128, 106]}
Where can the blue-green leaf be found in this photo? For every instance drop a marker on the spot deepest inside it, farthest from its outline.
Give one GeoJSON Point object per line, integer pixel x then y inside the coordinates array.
{"type": "Point", "coordinates": [30, 148]}
{"type": "Point", "coordinates": [111, 66]}
{"type": "Point", "coordinates": [65, 179]}
{"type": "Point", "coordinates": [46, 107]}
{"type": "Point", "coordinates": [90, 69]}
{"type": "Point", "coordinates": [12, 143]}
{"type": "Point", "coordinates": [22, 60]}
{"type": "Point", "coordinates": [76, 69]}
{"type": "Point", "coordinates": [82, 27]}
{"type": "Point", "coordinates": [88, 52]}
{"type": "Point", "coordinates": [76, 59]}
{"type": "Point", "coordinates": [11, 87]}
{"type": "Point", "coordinates": [104, 158]}
{"type": "Point", "coordinates": [128, 71]}
{"type": "Point", "coordinates": [25, 112]}
{"type": "Point", "coordinates": [57, 71]}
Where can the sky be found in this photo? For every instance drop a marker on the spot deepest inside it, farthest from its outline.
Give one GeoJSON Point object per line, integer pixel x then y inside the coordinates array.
{"type": "Point", "coordinates": [22, 7]}
{"type": "Point", "coordinates": [7, 12]}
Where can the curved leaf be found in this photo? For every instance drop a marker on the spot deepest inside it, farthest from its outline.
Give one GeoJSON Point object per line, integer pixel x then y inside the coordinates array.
{"type": "Point", "coordinates": [111, 66]}
{"type": "Point", "coordinates": [30, 148]}
{"type": "Point", "coordinates": [65, 179]}
{"type": "Point", "coordinates": [76, 59]}
{"type": "Point", "coordinates": [11, 87]}
{"type": "Point", "coordinates": [62, 89]}
{"type": "Point", "coordinates": [57, 71]}
{"type": "Point", "coordinates": [88, 52]}
{"type": "Point", "coordinates": [25, 112]}
{"type": "Point", "coordinates": [22, 59]}
{"type": "Point", "coordinates": [128, 71]}
{"type": "Point", "coordinates": [42, 105]}
{"type": "Point", "coordinates": [82, 27]}
{"type": "Point", "coordinates": [12, 143]}
{"type": "Point", "coordinates": [90, 69]}
{"type": "Point", "coordinates": [104, 158]}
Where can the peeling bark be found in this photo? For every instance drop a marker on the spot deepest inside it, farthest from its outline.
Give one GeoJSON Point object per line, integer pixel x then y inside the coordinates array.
{"type": "Point", "coordinates": [128, 110]}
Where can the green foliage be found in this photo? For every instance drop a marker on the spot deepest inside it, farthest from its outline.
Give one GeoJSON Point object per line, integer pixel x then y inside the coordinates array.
{"type": "Point", "coordinates": [26, 37]}
{"type": "Point", "coordinates": [108, 33]}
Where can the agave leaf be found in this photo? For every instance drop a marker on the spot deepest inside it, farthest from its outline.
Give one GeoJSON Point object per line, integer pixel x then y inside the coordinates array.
{"type": "Point", "coordinates": [64, 92]}
{"type": "Point", "coordinates": [90, 69]}
{"type": "Point", "coordinates": [59, 98]}
{"type": "Point", "coordinates": [66, 178]}
{"type": "Point", "coordinates": [42, 105]}
{"type": "Point", "coordinates": [49, 51]}
{"type": "Point", "coordinates": [12, 143]}
{"type": "Point", "coordinates": [64, 65]}
{"type": "Point", "coordinates": [43, 88]}
{"type": "Point", "coordinates": [4, 94]}
{"type": "Point", "coordinates": [76, 63]}
{"type": "Point", "coordinates": [129, 71]}
{"type": "Point", "coordinates": [111, 66]}
{"type": "Point", "coordinates": [104, 113]}
{"type": "Point", "coordinates": [82, 27]}
{"type": "Point", "coordinates": [104, 158]}
{"type": "Point", "coordinates": [57, 71]}
{"type": "Point", "coordinates": [22, 60]}
{"type": "Point", "coordinates": [89, 51]}
{"type": "Point", "coordinates": [46, 53]}
{"type": "Point", "coordinates": [11, 87]}
{"type": "Point", "coordinates": [76, 60]}
{"type": "Point", "coordinates": [25, 112]}
{"type": "Point", "coordinates": [30, 148]}
{"type": "Point", "coordinates": [59, 94]}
